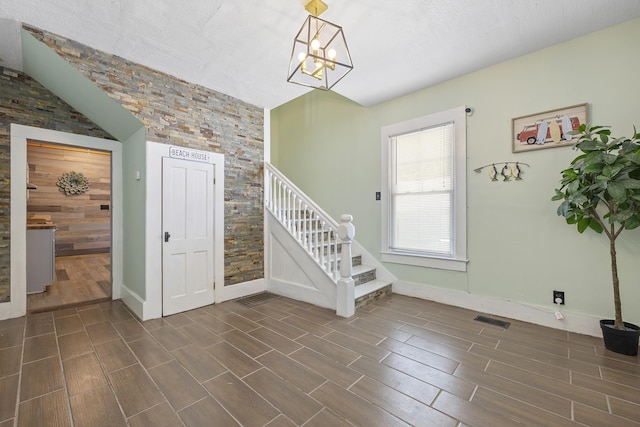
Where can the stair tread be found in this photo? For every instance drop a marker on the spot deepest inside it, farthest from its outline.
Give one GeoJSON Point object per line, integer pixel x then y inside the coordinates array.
{"type": "Point", "coordinates": [359, 269]}
{"type": "Point", "coordinates": [372, 286]}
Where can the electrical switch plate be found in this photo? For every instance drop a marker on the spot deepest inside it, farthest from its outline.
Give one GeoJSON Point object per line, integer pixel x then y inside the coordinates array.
{"type": "Point", "coordinates": [558, 294]}
{"type": "Point", "coordinates": [377, 195]}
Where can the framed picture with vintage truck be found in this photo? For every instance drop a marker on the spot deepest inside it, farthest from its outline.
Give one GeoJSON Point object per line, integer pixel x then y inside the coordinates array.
{"type": "Point", "coordinates": [547, 129]}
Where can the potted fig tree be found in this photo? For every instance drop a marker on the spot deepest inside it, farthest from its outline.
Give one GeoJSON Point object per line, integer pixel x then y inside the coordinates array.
{"type": "Point", "coordinates": [600, 190]}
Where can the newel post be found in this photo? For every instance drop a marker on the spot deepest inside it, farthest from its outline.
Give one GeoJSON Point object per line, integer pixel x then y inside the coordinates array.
{"type": "Point", "coordinates": [346, 306]}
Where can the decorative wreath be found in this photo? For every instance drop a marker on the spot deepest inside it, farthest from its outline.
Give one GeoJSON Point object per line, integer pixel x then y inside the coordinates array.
{"type": "Point", "coordinates": [73, 183]}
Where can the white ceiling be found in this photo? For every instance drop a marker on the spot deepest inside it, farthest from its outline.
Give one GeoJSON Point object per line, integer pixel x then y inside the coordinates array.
{"type": "Point", "coordinates": [242, 47]}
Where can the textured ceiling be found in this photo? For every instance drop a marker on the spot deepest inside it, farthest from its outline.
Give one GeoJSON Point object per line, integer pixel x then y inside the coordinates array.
{"type": "Point", "coordinates": [242, 47]}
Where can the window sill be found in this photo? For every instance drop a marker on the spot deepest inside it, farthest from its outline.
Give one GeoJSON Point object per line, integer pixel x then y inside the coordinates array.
{"type": "Point", "coordinates": [452, 264]}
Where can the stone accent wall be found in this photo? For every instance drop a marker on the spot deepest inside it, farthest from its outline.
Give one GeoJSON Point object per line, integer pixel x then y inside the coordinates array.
{"type": "Point", "coordinates": [24, 101]}
{"type": "Point", "coordinates": [181, 113]}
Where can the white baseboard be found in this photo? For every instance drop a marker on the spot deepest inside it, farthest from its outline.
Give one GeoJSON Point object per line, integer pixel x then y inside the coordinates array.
{"type": "Point", "coordinates": [240, 290]}
{"type": "Point", "coordinates": [134, 302]}
{"type": "Point", "coordinates": [5, 310]}
{"type": "Point", "coordinates": [541, 315]}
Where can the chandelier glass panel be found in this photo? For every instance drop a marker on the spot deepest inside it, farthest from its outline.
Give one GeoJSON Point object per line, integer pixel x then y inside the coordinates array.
{"type": "Point", "coordinates": [320, 57]}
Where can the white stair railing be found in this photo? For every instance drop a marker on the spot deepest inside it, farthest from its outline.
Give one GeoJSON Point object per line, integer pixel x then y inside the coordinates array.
{"type": "Point", "coordinates": [315, 231]}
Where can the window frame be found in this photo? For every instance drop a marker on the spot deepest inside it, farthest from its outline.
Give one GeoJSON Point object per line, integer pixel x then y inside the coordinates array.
{"type": "Point", "coordinates": [458, 260]}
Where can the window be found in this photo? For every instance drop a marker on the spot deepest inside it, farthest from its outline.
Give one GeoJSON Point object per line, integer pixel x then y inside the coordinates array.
{"type": "Point", "coordinates": [424, 191]}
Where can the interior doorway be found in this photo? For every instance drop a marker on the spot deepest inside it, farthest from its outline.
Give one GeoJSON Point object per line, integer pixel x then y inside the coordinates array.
{"type": "Point", "coordinates": [69, 193]}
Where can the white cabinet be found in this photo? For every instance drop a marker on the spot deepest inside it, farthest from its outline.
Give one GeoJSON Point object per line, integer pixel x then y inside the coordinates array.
{"type": "Point", "coordinates": [40, 258]}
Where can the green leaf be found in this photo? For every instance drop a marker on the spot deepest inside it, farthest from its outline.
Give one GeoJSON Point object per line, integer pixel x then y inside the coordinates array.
{"type": "Point", "coordinates": [583, 224]}
{"type": "Point", "coordinates": [609, 158]}
{"type": "Point", "coordinates": [617, 191]}
{"type": "Point", "coordinates": [633, 222]}
{"type": "Point", "coordinates": [629, 183]}
{"type": "Point", "coordinates": [595, 226]}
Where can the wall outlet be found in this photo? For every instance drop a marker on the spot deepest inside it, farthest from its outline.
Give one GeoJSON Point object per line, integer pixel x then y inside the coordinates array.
{"type": "Point", "coordinates": [556, 295]}
{"type": "Point", "coordinates": [377, 195]}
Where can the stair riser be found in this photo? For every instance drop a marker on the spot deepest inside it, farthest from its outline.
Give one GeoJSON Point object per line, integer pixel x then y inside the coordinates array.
{"type": "Point", "coordinates": [369, 298]}
{"type": "Point", "coordinates": [365, 277]}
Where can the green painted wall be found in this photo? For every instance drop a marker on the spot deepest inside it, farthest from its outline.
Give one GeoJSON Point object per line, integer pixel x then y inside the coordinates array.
{"type": "Point", "coordinates": [518, 248]}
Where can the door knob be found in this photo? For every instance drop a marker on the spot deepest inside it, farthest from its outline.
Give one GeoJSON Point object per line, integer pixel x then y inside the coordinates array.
{"type": "Point", "coordinates": [166, 236]}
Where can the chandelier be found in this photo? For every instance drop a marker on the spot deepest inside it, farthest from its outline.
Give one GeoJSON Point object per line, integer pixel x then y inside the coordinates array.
{"type": "Point", "coordinates": [320, 57]}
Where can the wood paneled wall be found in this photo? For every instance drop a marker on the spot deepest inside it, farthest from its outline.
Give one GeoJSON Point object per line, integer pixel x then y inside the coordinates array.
{"type": "Point", "coordinates": [83, 221]}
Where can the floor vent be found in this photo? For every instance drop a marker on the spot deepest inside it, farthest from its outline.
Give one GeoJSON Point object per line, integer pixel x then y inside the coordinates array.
{"type": "Point", "coordinates": [256, 299]}
{"type": "Point", "coordinates": [494, 322]}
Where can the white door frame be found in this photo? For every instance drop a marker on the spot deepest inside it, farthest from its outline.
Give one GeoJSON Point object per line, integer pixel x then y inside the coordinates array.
{"type": "Point", "coordinates": [154, 238]}
{"type": "Point", "coordinates": [19, 135]}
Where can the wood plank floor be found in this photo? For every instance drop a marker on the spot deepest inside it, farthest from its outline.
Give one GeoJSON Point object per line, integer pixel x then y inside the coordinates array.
{"type": "Point", "coordinates": [83, 279]}
{"type": "Point", "coordinates": [400, 361]}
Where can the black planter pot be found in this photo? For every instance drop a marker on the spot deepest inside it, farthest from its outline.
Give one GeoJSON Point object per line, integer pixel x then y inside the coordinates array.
{"type": "Point", "coordinates": [620, 341]}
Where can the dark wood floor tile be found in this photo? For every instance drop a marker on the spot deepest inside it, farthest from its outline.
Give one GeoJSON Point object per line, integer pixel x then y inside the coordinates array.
{"type": "Point", "coordinates": [275, 340]}
{"type": "Point", "coordinates": [115, 311]}
{"type": "Point", "coordinates": [11, 337]}
{"type": "Point", "coordinates": [271, 312]}
{"type": "Point", "coordinates": [317, 316]}
{"type": "Point", "coordinates": [283, 395]}
{"type": "Point", "coordinates": [430, 375]}
{"type": "Point", "coordinates": [199, 335]}
{"type": "Point", "coordinates": [178, 320]}
{"type": "Point", "coordinates": [135, 390]}
{"type": "Point", "coordinates": [631, 394]}
{"type": "Point", "coordinates": [14, 323]}
{"type": "Point", "coordinates": [558, 387]}
{"type": "Point", "coordinates": [397, 380]}
{"type": "Point", "coordinates": [461, 323]}
{"type": "Point", "coordinates": [10, 361]}
{"type": "Point", "coordinates": [533, 366]}
{"type": "Point", "coordinates": [437, 337]}
{"type": "Point", "coordinates": [462, 334]}
{"type": "Point", "coordinates": [620, 377]}
{"type": "Point", "coordinates": [199, 362]}
{"type": "Point", "coordinates": [152, 324]}
{"type": "Point", "coordinates": [470, 413]}
{"type": "Point", "coordinates": [48, 410]}
{"type": "Point", "coordinates": [295, 373]}
{"type": "Point", "coordinates": [246, 312]}
{"type": "Point", "coordinates": [40, 377]}
{"type": "Point", "coordinates": [74, 345]}
{"type": "Point", "coordinates": [91, 316]}
{"type": "Point", "coordinates": [333, 351]}
{"type": "Point", "coordinates": [96, 408]}
{"type": "Point", "coordinates": [64, 313]}
{"type": "Point", "coordinates": [279, 421]}
{"type": "Point", "coordinates": [40, 347]}
{"type": "Point", "coordinates": [326, 367]}
{"type": "Point", "coordinates": [150, 352]}
{"type": "Point", "coordinates": [281, 304]}
{"type": "Point", "coordinates": [325, 418]}
{"type": "Point", "coordinates": [549, 401]}
{"type": "Point", "coordinates": [83, 373]}
{"type": "Point", "coordinates": [420, 355]}
{"type": "Point", "coordinates": [307, 326]}
{"type": "Point", "coordinates": [625, 409]}
{"type": "Point", "coordinates": [246, 343]}
{"type": "Point", "coordinates": [284, 329]}
{"type": "Point", "coordinates": [68, 324]}
{"type": "Point", "coordinates": [346, 328]}
{"type": "Point", "coordinates": [354, 408]}
{"type": "Point", "coordinates": [170, 337]}
{"type": "Point", "coordinates": [399, 316]}
{"type": "Point", "coordinates": [448, 352]}
{"type": "Point", "coordinates": [399, 404]}
{"type": "Point", "coordinates": [214, 324]}
{"type": "Point", "coordinates": [161, 415]}
{"type": "Point", "coordinates": [605, 362]}
{"type": "Point", "coordinates": [238, 322]}
{"type": "Point", "coordinates": [244, 404]}
{"type": "Point", "coordinates": [39, 324]}
{"type": "Point", "coordinates": [233, 359]}
{"type": "Point", "coordinates": [9, 389]}
{"type": "Point", "coordinates": [130, 330]}
{"type": "Point", "coordinates": [177, 384]}
{"type": "Point", "coordinates": [203, 412]}
{"type": "Point", "coordinates": [551, 359]}
{"type": "Point", "coordinates": [382, 326]}
{"type": "Point", "coordinates": [517, 410]}
{"type": "Point", "coordinates": [7, 423]}
{"type": "Point", "coordinates": [592, 417]}
{"type": "Point", "coordinates": [115, 355]}
{"type": "Point", "coordinates": [102, 332]}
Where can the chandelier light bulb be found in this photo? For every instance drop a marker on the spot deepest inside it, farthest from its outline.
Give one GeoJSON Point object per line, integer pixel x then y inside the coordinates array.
{"type": "Point", "coordinates": [332, 54]}
{"type": "Point", "coordinates": [302, 56]}
{"type": "Point", "coordinates": [315, 44]}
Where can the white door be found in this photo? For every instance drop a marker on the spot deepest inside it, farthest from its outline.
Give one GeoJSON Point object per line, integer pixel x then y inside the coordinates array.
{"type": "Point", "coordinates": [187, 221]}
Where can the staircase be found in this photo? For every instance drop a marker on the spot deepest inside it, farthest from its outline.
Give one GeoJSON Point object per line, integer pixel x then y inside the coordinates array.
{"type": "Point", "coordinates": [308, 252]}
